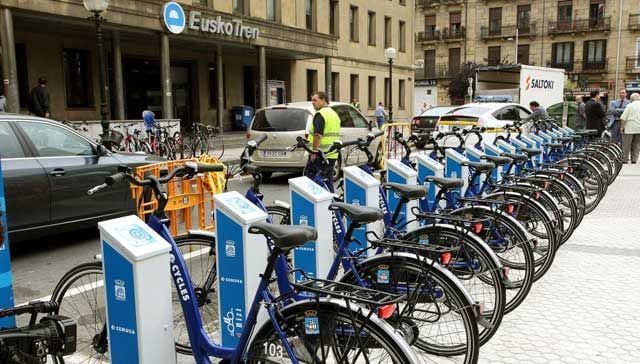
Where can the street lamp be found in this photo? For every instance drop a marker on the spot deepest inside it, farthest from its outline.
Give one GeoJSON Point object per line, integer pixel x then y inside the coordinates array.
{"type": "Point", "coordinates": [390, 53]}
{"type": "Point", "coordinates": [516, 39]}
{"type": "Point", "coordinates": [97, 7]}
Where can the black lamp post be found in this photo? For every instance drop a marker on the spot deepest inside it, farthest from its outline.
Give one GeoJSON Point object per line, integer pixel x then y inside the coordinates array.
{"type": "Point", "coordinates": [390, 53]}
{"type": "Point", "coordinates": [97, 7]}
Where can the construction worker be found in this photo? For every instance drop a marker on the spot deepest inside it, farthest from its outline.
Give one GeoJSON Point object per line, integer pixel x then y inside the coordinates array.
{"type": "Point", "coordinates": [324, 131]}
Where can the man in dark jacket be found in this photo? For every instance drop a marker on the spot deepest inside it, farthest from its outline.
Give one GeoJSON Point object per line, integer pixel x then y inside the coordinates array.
{"type": "Point", "coordinates": [595, 113]}
{"type": "Point", "coordinates": [39, 98]}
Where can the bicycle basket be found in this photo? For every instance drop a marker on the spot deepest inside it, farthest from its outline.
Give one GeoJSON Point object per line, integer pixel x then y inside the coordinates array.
{"type": "Point", "coordinates": [114, 137]}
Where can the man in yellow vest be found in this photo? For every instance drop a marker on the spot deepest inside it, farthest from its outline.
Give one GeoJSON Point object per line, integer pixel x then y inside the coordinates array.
{"type": "Point", "coordinates": [324, 130]}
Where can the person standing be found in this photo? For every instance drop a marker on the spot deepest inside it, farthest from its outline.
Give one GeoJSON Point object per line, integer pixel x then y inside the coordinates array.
{"type": "Point", "coordinates": [581, 116]}
{"type": "Point", "coordinates": [324, 131]}
{"type": "Point", "coordinates": [380, 114]}
{"type": "Point", "coordinates": [3, 102]}
{"type": "Point", "coordinates": [595, 113]}
{"type": "Point", "coordinates": [39, 99]}
{"type": "Point", "coordinates": [355, 104]}
{"type": "Point", "coordinates": [616, 108]}
{"type": "Point", "coordinates": [630, 127]}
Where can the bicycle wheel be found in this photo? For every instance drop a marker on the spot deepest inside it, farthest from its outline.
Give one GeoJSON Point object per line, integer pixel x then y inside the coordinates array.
{"type": "Point", "coordinates": [435, 306]}
{"type": "Point", "coordinates": [198, 251]}
{"type": "Point", "coordinates": [279, 215]}
{"type": "Point", "coordinates": [80, 295]}
{"type": "Point", "coordinates": [341, 335]}
{"type": "Point", "coordinates": [215, 145]}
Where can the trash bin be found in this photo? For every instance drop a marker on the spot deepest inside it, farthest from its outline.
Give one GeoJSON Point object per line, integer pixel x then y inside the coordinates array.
{"type": "Point", "coordinates": [242, 116]}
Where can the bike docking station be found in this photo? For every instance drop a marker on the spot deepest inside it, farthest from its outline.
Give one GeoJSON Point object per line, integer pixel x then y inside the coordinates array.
{"type": "Point", "coordinates": [454, 168]}
{"type": "Point", "coordinates": [534, 142]}
{"type": "Point", "coordinates": [361, 188]}
{"type": "Point", "coordinates": [475, 155]}
{"type": "Point", "coordinates": [428, 167]}
{"type": "Point", "coordinates": [138, 292]}
{"type": "Point", "coordinates": [6, 279]}
{"type": "Point", "coordinates": [310, 206]}
{"type": "Point", "coordinates": [241, 259]}
{"type": "Point", "coordinates": [398, 172]}
{"type": "Point", "coordinates": [505, 147]}
{"type": "Point", "coordinates": [492, 150]}
{"type": "Point", "coordinates": [546, 138]}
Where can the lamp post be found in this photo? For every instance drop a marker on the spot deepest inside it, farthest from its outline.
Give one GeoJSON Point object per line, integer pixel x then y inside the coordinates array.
{"type": "Point", "coordinates": [390, 53]}
{"type": "Point", "coordinates": [97, 7]}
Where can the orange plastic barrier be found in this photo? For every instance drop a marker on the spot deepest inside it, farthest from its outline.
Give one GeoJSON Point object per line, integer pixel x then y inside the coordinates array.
{"type": "Point", "coordinates": [190, 204]}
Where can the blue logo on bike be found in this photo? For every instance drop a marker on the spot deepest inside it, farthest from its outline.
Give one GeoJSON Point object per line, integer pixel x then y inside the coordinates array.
{"type": "Point", "coordinates": [174, 17]}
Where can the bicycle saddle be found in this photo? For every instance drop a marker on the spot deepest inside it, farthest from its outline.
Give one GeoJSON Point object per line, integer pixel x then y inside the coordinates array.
{"type": "Point", "coordinates": [285, 237]}
{"type": "Point", "coordinates": [498, 161]}
{"type": "Point", "coordinates": [358, 214]}
{"type": "Point", "coordinates": [553, 145]}
{"type": "Point", "coordinates": [408, 192]}
{"type": "Point", "coordinates": [444, 182]}
{"type": "Point", "coordinates": [531, 152]}
{"type": "Point", "coordinates": [565, 139]}
{"type": "Point", "coordinates": [515, 157]}
{"type": "Point", "coordinates": [480, 166]}
{"type": "Point", "coordinates": [587, 132]}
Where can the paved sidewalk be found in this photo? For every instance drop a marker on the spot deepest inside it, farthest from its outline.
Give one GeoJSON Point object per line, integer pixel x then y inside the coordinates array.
{"type": "Point", "coordinates": [586, 309]}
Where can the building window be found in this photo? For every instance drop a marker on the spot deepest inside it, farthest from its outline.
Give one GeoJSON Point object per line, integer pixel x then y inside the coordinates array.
{"type": "Point", "coordinates": [77, 79]}
{"type": "Point", "coordinates": [494, 57]}
{"type": "Point", "coordinates": [523, 54]}
{"type": "Point", "coordinates": [455, 22]}
{"type": "Point", "coordinates": [354, 88]}
{"type": "Point", "coordinates": [387, 102]}
{"type": "Point", "coordinates": [524, 18]}
{"type": "Point", "coordinates": [238, 7]}
{"type": "Point", "coordinates": [594, 52]}
{"type": "Point", "coordinates": [201, 2]}
{"type": "Point", "coordinates": [403, 2]}
{"type": "Point", "coordinates": [401, 95]}
{"type": "Point", "coordinates": [372, 28]}
{"type": "Point", "coordinates": [272, 10]}
{"type": "Point", "coordinates": [372, 92]}
{"type": "Point", "coordinates": [430, 26]}
{"type": "Point", "coordinates": [429, 63]}
{"type": "Point", "coordinates": [335, 86]}
{"type": "Point", "coordinates": [334, 20]}
{"type": "Point", "coordinates": [495, 21]}
{"type": "Point", "coordinates": [308, 14]}
{"type": "Point", "coordinates": [312, 83]}
{"type": "Point", "coordinates": [402, 37]}
{"type": "Point", "coordinates": [454, 61]}
{"type": "Point", "coordinates": [353, 24]}
{"type": "Point", "coordinates": [387, 32]}
{"type": "Point", "coordinates": [596, 13]}
{"type": "Point", "coordinates": [562, 54]}
{"type": "Point", "coordinates": [23, 76]}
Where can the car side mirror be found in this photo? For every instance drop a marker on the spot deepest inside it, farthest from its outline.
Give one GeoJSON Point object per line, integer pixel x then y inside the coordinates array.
{"type": "Point", "coordinates": [370, 125]}
{"type": "Point", "coordinates": [100, 150]}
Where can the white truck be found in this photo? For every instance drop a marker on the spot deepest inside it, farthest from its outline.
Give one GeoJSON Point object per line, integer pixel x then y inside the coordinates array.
{"type": "Point", "coordinates": [520, 84]}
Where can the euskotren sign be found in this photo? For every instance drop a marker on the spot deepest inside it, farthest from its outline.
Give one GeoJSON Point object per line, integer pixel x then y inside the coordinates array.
{"type": "Point", "coordinates": [175, 20]}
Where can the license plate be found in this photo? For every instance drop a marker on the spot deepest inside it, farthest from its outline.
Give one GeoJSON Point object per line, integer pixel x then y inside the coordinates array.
{"type": "Point", "coordinates": [275, 153]}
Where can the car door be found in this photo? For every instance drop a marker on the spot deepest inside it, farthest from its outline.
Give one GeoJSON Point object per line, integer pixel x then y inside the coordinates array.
{"type": "Point", "coordinates": [72, 167]}
{"type": "Point", "coordinates": [504, 116]}
{"type": "Point", "coordinates": [26, 186]}
{"type": "Point", "coordinates": [350, 131]}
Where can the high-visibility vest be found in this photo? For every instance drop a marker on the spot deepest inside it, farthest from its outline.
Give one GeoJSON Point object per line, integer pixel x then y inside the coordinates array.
{"type": "Point", "coordinates": [331, 131]}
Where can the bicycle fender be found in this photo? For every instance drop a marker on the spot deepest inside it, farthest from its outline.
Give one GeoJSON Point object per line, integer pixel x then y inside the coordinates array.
{"type": "Point", "coordinates": [282, 204]}
{"type": "Point", "coordinates": [528, 198]}
{"type": "Point", "coordinates": [503, 214]}
{"type": "Point", "coordinates": [204, 233]}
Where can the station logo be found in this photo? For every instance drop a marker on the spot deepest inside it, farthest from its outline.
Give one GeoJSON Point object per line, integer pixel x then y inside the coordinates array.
{"type": "Point", "coordinates": [174, 17]}
{"type": "Point", "coordinates": [536, 83]}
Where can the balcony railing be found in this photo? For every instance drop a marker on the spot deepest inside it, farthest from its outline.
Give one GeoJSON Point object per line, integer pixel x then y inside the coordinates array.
{"type": "Point", "coordinates": [584, 67]}
{"type": "Point", "coordinates": [633, 65]}
{"type": "Point", "coordinates": [438, 72]}
{"type": "Point", "coordinates": [567, 66]}
{"type": "Point", "coordinates": [507, 31]}
{"type": "Point", "coordinates": [452, 34]}
{"type": "Point", "coordinates": [433, 3]}
{"type": "Point", "coordinates": [430, 36]}
{"type": "Point", "coordinates": [581, 25]}
{"type": "Point", "coordinates": [634, 22]}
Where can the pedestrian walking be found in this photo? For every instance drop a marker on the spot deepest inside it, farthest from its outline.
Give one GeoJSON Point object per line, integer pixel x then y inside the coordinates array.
{"type": "Point", "coordinates": [595, 113]}
{"type": "Point", "coordinates": [539, 112]}
{"type": "Point", "coordinates": [581, 117]}
{"type": "Point", "coordinates": [380, 114]}
{"type": "Point", "coordinates": [39, 99]}
{"type": "Point", "coordinates": [149, 119]}
{"type": "Point", "coordinates": [324, 131]}
{"type": "Point", "coordinates": [616, 108]}
{"type": "Point", "coordinates": [630, 127]}
{"type": "Point", "coordinates": [355, 104]}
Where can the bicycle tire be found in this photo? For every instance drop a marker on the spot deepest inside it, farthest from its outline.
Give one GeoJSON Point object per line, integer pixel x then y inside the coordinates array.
{"type": "Point", "coordinates": [376, 337]}
{"type": "Point", "coordinates": [89, 322]}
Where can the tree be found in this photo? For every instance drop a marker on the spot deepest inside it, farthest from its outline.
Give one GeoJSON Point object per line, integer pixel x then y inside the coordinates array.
{"type": "Point", "coordinates": [460, 81]}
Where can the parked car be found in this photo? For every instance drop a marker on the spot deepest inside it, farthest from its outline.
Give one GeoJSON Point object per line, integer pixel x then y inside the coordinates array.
{"type": "Point", "coordinates": [48, 168]}
{"type": "Point", "coordinates": [284, 123]}
{"type": "Point", "coordinates": [426, 122]}
{"type": "Point", "coordinates": [492, 116]}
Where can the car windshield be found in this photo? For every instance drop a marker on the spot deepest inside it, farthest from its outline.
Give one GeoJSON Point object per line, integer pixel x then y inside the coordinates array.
{"type": "Point", "coordinates": [436, 111]}
{"type": "Point", "coordinates": [469, 110]}
{"type": "Point", "coordinates": [280, 120]}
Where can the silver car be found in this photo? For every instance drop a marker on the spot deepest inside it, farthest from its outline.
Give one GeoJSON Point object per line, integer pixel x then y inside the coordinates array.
{"type": "Point", "coordinates": [284, 123]}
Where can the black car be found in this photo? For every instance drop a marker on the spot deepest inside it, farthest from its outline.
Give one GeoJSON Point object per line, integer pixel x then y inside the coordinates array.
{"type": "Point", "coordinates": [48, 168]}
{"type": "Point", "coordinates": [425, 123]}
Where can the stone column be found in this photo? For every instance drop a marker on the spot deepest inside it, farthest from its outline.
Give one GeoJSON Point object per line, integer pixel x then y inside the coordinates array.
{"type": "Point", "coordinates": [327, 78]}
{"type": "Point", "coordinates": [165, 74]}
{"type": "Point", "coordinates": [117, 75]}
{"type": "Point", "coordinates": [9, 65]}
{"type": "Point", "coordinates": [262, 75]}
{"type": "Point", "coordinates": [220, 77]}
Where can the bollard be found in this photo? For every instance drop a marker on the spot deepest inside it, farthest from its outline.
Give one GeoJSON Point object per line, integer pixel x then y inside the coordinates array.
{"type": "Point", "coordinates": [361, 188]}
{"type": "Point", "coordinates": [398, 172]}
{"type": "Point", "coordinates": [241, 258]}
{"type": "Point", "coordinates": [310, 206]}
{"type": "Point", "coordinates": [138, 290]}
